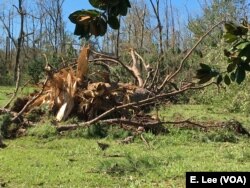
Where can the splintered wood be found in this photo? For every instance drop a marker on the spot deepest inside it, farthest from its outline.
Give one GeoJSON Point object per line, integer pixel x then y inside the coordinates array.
{"type": "Point", "coordinates": [82, 64]}
{"type": "Point", "coordinates": [71, 91]}
{"type": "Point", "coordinates": [61, 88]}
{"type": "Point", "coordinates": [68, 99]}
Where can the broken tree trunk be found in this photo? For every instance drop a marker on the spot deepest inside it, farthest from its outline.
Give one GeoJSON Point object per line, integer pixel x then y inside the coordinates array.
{"type": "Point", "coordinates": [69, 91]}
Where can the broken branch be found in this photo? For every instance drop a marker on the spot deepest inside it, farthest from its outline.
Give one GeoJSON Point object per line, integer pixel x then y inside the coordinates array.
{"type": "Point", "coordinates": [30, 102]}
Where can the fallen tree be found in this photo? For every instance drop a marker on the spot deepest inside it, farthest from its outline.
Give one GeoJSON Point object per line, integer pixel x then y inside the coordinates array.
{"type": "Point", "coordinates": [69, 91]}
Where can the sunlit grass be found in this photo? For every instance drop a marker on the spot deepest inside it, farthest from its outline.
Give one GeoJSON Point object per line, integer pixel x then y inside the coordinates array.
{"type": "Point", "coordinates": [6, 93]}
{"type": "Point", "coordinates": [78, 162]}
{"type": "Point", "coordinates": [201, 113]}
{"type": "Point", "coordinates": [45, 158]}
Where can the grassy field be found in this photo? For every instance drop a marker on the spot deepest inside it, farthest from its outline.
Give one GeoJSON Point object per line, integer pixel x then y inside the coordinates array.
{"type": "Point", "coordinates": [44, 158]}
{"type": "Point", "coordinates": [6, 93]}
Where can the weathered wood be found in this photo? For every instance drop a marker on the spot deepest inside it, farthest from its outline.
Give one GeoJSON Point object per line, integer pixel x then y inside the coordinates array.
{"type": "Point", "coordinates": [82, 64]}
{"type": "Point", "coordinates": [69, 95]}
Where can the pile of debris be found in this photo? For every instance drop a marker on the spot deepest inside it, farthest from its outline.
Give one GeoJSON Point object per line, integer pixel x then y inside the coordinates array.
{"type": "Point", "coordinates": [69, 92]}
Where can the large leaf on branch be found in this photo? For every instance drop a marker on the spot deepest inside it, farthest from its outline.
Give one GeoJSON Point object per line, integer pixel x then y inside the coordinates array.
{"type": "Point", "coordinates": [78, 16]}
{"type": "Point", "coordinates": [219, 80]}
{"type": "Point", "coordinates": [240, 74]}
{"type": "Point", "coordinates": [231, 67]}
{"type": "Point", "coordinates": [94, 22]}
{"type": "Point", "coordinates": [120, 9]}
{"type": "Point", "coordinates": [103, 4]}
{"type": "Point", "coordinates": [246, 66]}
{"type": "Point", "coordinates": [113, 22]}
{"type": "Point", "coordinates": [245, 51]}
{"type": "Point", "coordinates": [98, 4]}
{"type": "Point", "coordinates": [88, 22]}
{"type": "Point", "coordinates": [227, 80]}
{"type": "Point", "coordinates": [123, 7]}
{"type": "Point", "coordinates": [235, 29]}
{"type": "Point", "coordinates": [205, 73]}
{"type": "Point", "coordinates": [229, 38]}
{"type": "Point", "coordinates": [238, 54]}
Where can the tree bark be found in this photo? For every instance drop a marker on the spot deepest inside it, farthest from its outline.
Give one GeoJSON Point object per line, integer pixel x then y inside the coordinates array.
{"type": "Point", "coordinates": [17, 70]}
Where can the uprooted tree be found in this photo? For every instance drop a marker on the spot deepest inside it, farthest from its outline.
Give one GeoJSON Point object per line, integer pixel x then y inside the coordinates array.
{"type": "Point", "coordinates": [97, 94]}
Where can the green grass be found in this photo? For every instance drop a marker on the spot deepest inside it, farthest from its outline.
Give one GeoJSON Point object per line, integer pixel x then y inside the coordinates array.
{"type": "Point", "coordinates": [201, 113]}
{"type": "Point", "coordinates": [6, 93]}
{"type": "Point", "coordinates": [45, 159]}
{"type": "Point", "coordinates": [78, 162]}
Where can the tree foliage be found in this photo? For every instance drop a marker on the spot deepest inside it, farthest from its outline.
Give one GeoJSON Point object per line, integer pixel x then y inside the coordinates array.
{"type": "Point", "coordinates": [238, 56]}
{"type": "Point", "coordinates": [237, 36]}
{"type": "Point", "coordinates": [95, 21]}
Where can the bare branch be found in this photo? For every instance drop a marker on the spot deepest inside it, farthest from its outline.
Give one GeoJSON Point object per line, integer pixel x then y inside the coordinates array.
{"type": "Point", "coordinates": [156, 72]}
{"type": "Point", "coordinates": [8, 32]}
{"type": "Point", "coordinates": [156, 9]}
{"type": "Point", "coordinates": [133, 123]}
{"type": "Point", "coordinates": [146, 66]}
{"type": "Point", "coordinates": [114, 61]}
{"type": "Point", "coordinates": [31, 101]}
{"type": "Point", "coordinates": [135, 68]}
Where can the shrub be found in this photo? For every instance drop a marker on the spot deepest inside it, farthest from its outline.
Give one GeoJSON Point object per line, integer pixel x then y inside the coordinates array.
{"type": "Point", "coordinates": [35, 68]}
{"type": "Point", "coordinates": [7, 128]}
{"type": "Point", "coordinates": [220, 136]}
{"type": "Point", "coordinates": [116, 132]}
{"type": "Point", "coordinates": [97, 131]}
{"type": "Point", "coordinates": [43, 131]}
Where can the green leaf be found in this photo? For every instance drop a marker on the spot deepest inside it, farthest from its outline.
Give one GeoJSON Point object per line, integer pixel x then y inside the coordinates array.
{"type": "Point", "coordinates": [219, 80]}
{"type": "Point", "coordinates": [93, 28]}
{"type": "Point", "coordinates": [113, 2]}
{"type": "Point", "coordinates": [232, 76]}
{"type": "Point", "coordinates": [98, 4]}
{"type": "Point", "coordinates": [87, 23]}
{"type": "Point", "coordinates": [205, 66]}
{"type": "Point", "coordinates": [119, 9]}
{"type": "Point", "coordinates": [227, 80]}
{"type": "Point", "coordinates": [234, 29]}
{"type": "Point", "coordinates": [240, 74]}
{"type": "Point", "coordinates": [114, 11]}
{"type": "Point", "coordinates": [76, 16]}
{"type": "Point", "coordinates": [102, 26]}
{"type": "Point", "coordinates": [73, 17]}
{"type": "Point", "coordinates": [231, 67]}
{"type": "Point", "coordinates": [128, 3]}
{"type": "Point", "coordinates": [205, 79]}
{"type": "Point", "coordinates": [230, 27]}
{"type": "Point", "coordinates": [200, 73]}
{"type": "Point", "coordinates": [246, 66]}
{"type": "Point", "coordinates": [82, 31]}
{"type": "Point", "coordinates": [92, 13]}
{"type": "Point", "coordinates": [241, 30]}
{"type": "Point", "coordinates": [123, 7]}
{"type": "Point", "coordinates": [245, 52]}
{"type": "Point", "coordinates": [114, 22]}
{"type": "Point", "coordinates": [243, 45]}
{"type": "Point", "coordinates": [229, 38]}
